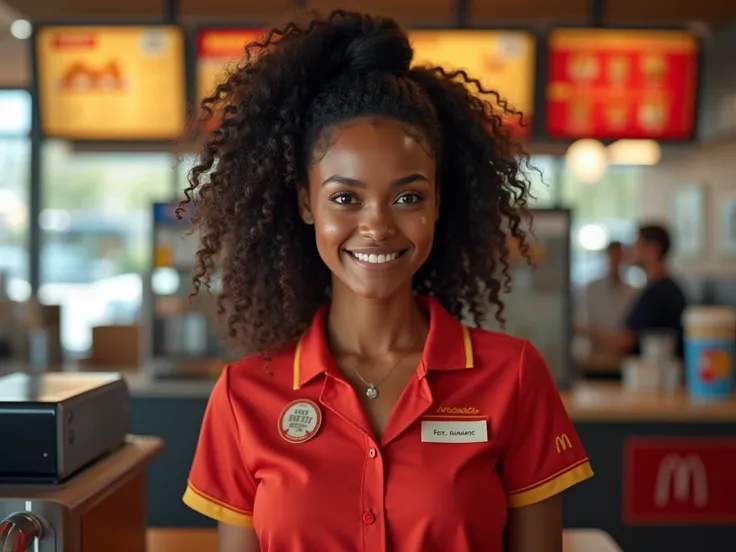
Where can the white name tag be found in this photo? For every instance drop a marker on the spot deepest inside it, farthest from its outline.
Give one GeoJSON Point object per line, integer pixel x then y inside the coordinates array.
{"type": "Point", "coordinates": [455, 432]}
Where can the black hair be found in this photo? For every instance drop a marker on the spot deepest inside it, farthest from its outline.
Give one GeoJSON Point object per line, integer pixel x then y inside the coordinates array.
{"type": "Point", "coordinates": [657, 235]}
{"type": "Point", "coordinates": [276, 109]}
{"type": "Point", "coordinates": [614, 246]}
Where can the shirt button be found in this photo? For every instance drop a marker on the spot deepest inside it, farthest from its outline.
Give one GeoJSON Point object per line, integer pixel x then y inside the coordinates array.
{"type": "Point", "coordinates": [372, 453]}
{"type": "Point", "coordinates": [368, 518]}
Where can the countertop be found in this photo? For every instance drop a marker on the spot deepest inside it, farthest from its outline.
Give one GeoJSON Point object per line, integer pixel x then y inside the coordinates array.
{"type": "Point", "coordinates": [97, 481]}
{"type": "Point", "coordinates": [609, 402]}
{"type": "Point", "coordinates": [196, 540]}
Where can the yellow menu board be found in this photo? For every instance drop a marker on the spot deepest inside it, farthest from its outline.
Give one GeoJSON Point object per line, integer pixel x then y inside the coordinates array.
{"type": "Point", "coordinates": [501, 60]}
{"type": "Point", "coordinates": [217, 51]}
{"type": "Point", "coordinates": [111, 83]}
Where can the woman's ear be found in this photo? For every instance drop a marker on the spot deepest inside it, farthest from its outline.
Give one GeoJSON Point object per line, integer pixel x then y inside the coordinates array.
{"type": "Point", "coordinates": [305, 209]}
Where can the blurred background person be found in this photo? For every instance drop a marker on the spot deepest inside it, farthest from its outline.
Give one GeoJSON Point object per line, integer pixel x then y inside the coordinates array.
{"type": "Point", "coordinates": [659, 306]}
{"type": "Point", "coordinates": [605, 303]}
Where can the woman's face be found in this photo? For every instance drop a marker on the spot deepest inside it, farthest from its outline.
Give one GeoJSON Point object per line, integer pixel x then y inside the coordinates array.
{"type": "Point", "coordinates": [373, 201]}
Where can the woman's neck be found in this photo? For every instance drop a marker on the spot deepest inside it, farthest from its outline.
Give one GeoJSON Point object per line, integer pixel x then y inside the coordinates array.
{"type": "Point", "coordinates": [372, 328]}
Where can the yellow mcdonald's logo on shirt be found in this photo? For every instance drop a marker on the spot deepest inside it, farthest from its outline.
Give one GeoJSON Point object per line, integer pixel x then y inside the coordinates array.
{"type": "Point", "coordinates": [562, 443]}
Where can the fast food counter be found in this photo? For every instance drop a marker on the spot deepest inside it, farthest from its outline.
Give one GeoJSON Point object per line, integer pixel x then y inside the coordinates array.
{"type": "Point", "coordinates": [664, 468]}
{"type": "Point", "coordinates": [664, 465]}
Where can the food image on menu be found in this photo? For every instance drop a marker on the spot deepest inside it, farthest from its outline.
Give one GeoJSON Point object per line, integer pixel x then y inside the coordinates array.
{"type": "Point", "coordinates": [654, 69]}
{"type": "Point", "coordinates": [82, 77]}
{"type": "Point", "coordinates": [617, 70]}
{"type": "Point", "coordinates": [579, 115]}
{"type": "Point", "coordinates": [653, 115]}
{"type": "Point", "coordinates": [583, 67]}
{"type": "Point", "coordinates": [616, 116]}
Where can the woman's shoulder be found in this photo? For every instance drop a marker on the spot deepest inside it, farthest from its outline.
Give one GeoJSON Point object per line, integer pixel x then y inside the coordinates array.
{"type": "Point", "coordinates": [263, 368]}
{"type": "Point", "coordinates": [495, 346]}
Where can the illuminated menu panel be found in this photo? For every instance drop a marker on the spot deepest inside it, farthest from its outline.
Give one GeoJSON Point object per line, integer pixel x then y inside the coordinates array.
{"type": "Point", "coordinates": [218, 50]}
{"type": "Point", "coordinates": [501, 60]}
{"type": "Point", "coordinates": [611, 84]}
{"type": "Point", "coordinates": [111, 83]}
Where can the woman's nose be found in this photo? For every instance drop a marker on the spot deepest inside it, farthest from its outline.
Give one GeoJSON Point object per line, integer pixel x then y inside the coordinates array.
{"type": "Point", "coordinates": [378, 224]}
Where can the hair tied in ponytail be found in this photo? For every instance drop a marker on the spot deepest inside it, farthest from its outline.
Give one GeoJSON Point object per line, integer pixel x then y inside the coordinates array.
{"type": "Point", "coordinates": [384, 50]}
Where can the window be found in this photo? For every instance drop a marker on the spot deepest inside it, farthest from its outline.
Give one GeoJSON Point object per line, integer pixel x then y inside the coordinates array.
{"type": "Point", "coordinates": [15, 113]}
{"type": "Point", "coordinates": [97, 235]}
{"type": "Point", "coordinates": [15, 152]}
{"type": "Point", "coordinates": [543, 178]}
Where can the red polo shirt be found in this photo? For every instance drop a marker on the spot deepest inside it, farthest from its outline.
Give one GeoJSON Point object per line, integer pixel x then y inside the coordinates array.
{"type": "Point", "coordinates": [479, 429]}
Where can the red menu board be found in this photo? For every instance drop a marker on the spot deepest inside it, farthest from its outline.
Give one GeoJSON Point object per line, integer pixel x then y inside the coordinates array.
{"type": "Point", "coordinates": [612, 84]}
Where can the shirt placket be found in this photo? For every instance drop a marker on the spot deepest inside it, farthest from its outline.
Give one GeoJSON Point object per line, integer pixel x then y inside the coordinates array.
{"type": "Point", "coordinates": [373, 499]}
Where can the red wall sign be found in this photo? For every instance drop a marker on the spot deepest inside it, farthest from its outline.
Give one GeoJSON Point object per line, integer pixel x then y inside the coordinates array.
{"type": "Point", "coordinates": [611, 84]}
{"type": "Point", "coordinates": [679, 480]}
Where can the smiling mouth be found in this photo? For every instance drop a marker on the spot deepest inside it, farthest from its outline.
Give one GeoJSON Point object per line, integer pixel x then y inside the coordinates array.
{"type": "Point", "coordinates": [373, 258]}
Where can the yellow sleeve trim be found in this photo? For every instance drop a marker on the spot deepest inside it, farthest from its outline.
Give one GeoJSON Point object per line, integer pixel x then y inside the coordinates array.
{"type": "Point", "coordinates": [468, 346]}
{"type": "Point", "coordinates": [207, 506]}
{"type": "Point", "coordinates": [548, 488]}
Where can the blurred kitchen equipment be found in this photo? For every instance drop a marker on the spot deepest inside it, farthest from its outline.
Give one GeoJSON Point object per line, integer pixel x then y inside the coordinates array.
{"type": "Point", "coordinates": [658, 343]}
{"type": "Point", "coordinates": [651, 374]}
{"type": "Point", "coordinates": [657, 368]}
{"type": "Point", "coordinates": [37, 339]}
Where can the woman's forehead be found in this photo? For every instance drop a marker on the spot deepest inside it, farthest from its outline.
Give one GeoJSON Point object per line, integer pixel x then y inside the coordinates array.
{"type": "Point", "coordinates": [371, 144]}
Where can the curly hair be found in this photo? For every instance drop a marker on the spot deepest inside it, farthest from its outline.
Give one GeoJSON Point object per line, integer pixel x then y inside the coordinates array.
{"type": "Point", "coordinates": [274, 110]}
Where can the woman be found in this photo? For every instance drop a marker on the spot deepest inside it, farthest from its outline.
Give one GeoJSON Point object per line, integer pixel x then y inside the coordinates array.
{"type": "Point", "coordinates": [355, 208]}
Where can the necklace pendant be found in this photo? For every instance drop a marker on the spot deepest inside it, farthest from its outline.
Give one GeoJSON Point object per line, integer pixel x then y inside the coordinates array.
{"type": "Point", "coordinates": [371, 392]}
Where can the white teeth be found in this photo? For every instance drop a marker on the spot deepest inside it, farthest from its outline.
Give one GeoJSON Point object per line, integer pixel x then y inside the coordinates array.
{"type": "Point", "coordinates": [375, 259]}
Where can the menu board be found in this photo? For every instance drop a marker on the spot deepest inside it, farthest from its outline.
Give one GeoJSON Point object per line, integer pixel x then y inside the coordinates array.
{"type": "Point", "coordinates": [111, 83]}
{"type": "Point", "coordinates": [217, 51]}
{"type": "Point", "coordinates": [613, 84]}
{"type": "Point", "coordinates": [502, 61]}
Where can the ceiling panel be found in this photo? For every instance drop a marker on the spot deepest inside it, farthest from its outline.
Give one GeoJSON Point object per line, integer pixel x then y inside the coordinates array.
{"type": "Point", "coordinates": [406, 11]}
{"type": "Point", "coordinates": [488, 12]}
{"type": "Point", "coordinates": [481, 12]}
{"type": "Point", "coordinates": [87, 10]}
{"type": "Point", "coordinates": [664, 11]}
{"type": "Point", "coordinates": [224, 11]}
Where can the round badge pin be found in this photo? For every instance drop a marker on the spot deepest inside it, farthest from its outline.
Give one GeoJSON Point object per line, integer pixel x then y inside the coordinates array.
{"type": "Point", "coordinates": [300, 421]}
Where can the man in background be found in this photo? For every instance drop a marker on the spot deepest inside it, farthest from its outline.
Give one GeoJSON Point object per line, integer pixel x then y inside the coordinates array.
{"type": "Point", "coordinates": [605, 303]}
{"type": "Point", "coordinates": [659, 305]}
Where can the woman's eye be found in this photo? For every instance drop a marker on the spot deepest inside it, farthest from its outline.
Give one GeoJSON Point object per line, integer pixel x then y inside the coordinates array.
{"type": "Point", "coordinates": [409, 199]}
{"type": "Point", "coordinates": [343, 199]}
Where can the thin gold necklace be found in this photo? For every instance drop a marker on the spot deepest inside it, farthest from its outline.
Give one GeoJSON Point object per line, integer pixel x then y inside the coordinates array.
{"type": "Point", "coordinates": [372, 388]}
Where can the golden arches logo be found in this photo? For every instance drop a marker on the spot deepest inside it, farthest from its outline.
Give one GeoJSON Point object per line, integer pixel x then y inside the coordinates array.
{"type": "Point", "coordinates": [562, 443]}
{"type": "Point", "coordinates": [683, 478]}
